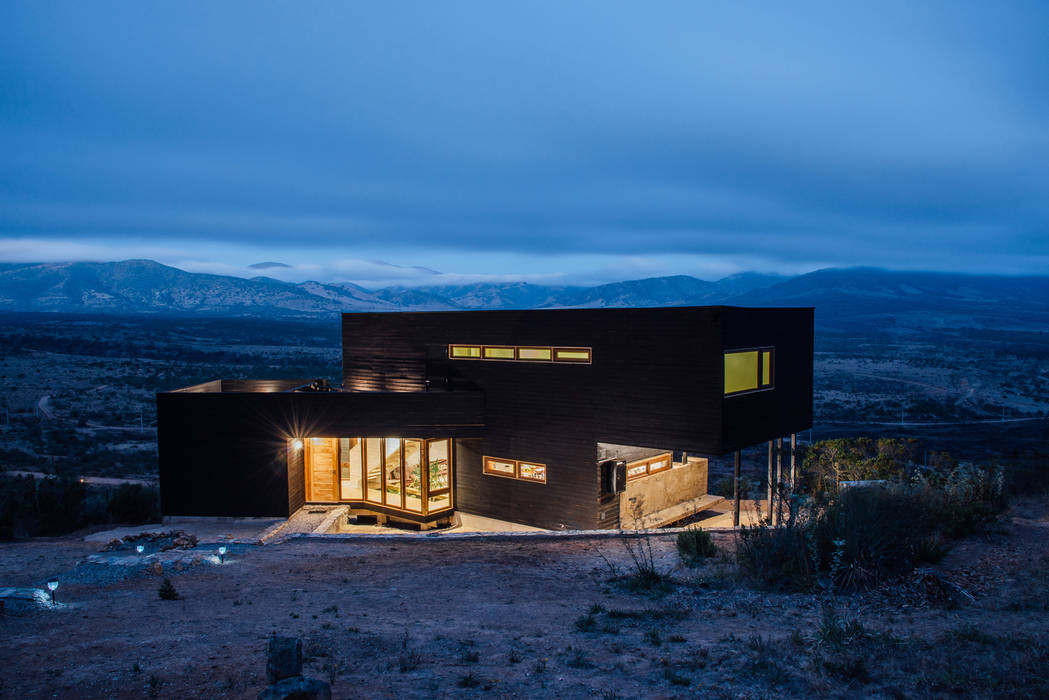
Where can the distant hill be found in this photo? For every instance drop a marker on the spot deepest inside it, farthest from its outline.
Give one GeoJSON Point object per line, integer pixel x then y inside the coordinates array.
{"type": "Point", "coordinates": [842, 297]}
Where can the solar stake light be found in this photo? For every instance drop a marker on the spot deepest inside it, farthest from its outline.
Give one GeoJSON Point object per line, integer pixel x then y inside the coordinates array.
{"type": "Point", "coordinates": [140, 549]}
{"type": "Point", "coordinates": [52, 585]}
{"type": "Point", "coordinates": [222, 553]}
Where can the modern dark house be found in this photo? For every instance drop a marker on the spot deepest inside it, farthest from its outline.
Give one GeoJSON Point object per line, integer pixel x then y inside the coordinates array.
{"type": "Point", "coordinates": [567, 418]}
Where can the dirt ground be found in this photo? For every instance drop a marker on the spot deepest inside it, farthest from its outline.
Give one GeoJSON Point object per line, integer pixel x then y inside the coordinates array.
{"type": "Point", "coordinates": [525, 618]}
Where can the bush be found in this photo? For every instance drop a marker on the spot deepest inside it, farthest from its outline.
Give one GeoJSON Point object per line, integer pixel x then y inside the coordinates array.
{"type": "Point", "coordinates": [694, 545]}
{"type": "Point", "coordinates": [775, 558]}
{"type": "Point", "coordinates": [167, 590]}
{"type": "Point", "coordinates": [725, 488]}
{"type": "Point", "coordinates": [134, 504]}
{"type": "Point", "coordinates": [866, 536]}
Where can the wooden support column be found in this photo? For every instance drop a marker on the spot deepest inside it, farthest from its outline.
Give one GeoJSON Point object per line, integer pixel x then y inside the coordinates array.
{"type": "Point", "coordinates": [735, 492]}
{"type": "Point", "coordinates": [770, 478]}
{"type": "Point", "coordinates": [779, 477]}
{"type": "Point", "coordinates": [793, 461]}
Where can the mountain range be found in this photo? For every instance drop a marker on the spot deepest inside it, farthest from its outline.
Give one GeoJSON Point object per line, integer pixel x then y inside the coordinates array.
{"type": "Point", "coordinates": [851, 294]}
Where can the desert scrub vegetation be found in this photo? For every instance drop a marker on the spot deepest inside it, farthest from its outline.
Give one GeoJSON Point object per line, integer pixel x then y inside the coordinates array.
{"type": "Point", "coordinates": [55, 506]}
{"type": "Point", "coordinates": [863, 537]}
{"type": "Point", "coordinates": [694, 545]}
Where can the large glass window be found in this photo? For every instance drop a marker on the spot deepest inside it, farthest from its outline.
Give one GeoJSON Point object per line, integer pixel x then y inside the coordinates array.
{"type": "Point", "coordinates": [413, 475]}
{"type": "Point", "coordinates": [373, 466]}
{"type": "Point", "coordinates": [408, 474]}
{"type": "Point", "coordinates": [351, 472]}
{"type": "Point", "coordinates": [749, 370]}
{"type": "Point", "coordinates": [392, 472]}
{"type": "Point", "coordinates": [439, 488]}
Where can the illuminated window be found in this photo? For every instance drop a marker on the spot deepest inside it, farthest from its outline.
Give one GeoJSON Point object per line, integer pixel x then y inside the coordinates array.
{"type": "Point", "coordinates": [522, 353]}
{"type": "Point", "coordinates": [500, 467]}
{"type": "Point", "coordinates": [464, 351]}
{"type": "Point", "coordinates": [498, 352]}
{"type": "Point", "coordinates": [749, 370]}
{"type": "Point", "coordinates": [515, 469]}
{"type": "Point", "coordinates": [572, 354]}
{"type": "Point", "coordinates": [530, 471]}
{"type": "Point", "coordinates": [534, 354]}
{"type": "Point", "coordinates": [649, 465]}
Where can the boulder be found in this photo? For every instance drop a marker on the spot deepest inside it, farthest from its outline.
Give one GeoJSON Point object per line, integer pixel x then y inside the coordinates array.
{"type": "Point", "coordinates": [298, 688]}
{"type": "Point", "coordinates": [283, 659]}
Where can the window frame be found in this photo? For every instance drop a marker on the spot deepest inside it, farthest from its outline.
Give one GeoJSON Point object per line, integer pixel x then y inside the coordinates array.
{"type": "Point", "coordinates": [762, 351]}
{"type": "Point", "coordinates": [516, 476]}
{"type": "Point", "coordinates": [647, 463]}
{"type": "Point", "coordinates": [553, 350]}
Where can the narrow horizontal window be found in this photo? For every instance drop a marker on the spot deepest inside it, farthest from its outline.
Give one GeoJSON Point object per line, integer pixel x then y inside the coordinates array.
{"type": "Point", "coordinates": [521, 353]}
{"type": "Point", "coordinates": [464, 351]}
{"type": "Point", "coordinates": [515, 469]}
{"type": "Point", "coordinates": [498, 352]}
{"type": "Point", "coordinates": [534, 354]}
{"type": "Point", "coordinates": [572, 354]}
{"type": "Point", "coordinates": [649, 465]}
{"type": "Point", "coordinates": [500, 467]}
{"type": "Point", "coordinates": [748, 370]}
{"type": "Point", "coordinates": [530, 471]}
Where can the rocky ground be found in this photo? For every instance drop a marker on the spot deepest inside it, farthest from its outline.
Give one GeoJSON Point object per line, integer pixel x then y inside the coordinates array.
{"type": "Point", "coordinates": [524, 618]}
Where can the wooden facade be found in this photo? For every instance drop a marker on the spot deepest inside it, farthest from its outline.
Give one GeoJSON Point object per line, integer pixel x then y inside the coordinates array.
{"type": "Point", "coordinates": [653, 383]}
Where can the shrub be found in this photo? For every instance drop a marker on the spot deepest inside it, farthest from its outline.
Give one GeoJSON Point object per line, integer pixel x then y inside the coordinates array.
{"type": "Point", "coordinates": [134, 504]}
{"type": "Point", "coordinates": [775, 558]}
{"type": "Point", "coordinates": [694, 545]}
{"type": "Point", "coordinates": [167, 590]}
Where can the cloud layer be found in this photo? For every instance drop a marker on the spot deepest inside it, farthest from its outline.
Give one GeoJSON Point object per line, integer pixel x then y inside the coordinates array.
{"type": "Point", "coordinates": [565, 139]}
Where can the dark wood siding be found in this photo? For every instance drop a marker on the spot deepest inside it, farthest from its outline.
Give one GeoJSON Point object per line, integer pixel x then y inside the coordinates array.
{"type": "Point", "coordinates": [787, 408]}
{"type": "Point", "coordinates": [227, 453]}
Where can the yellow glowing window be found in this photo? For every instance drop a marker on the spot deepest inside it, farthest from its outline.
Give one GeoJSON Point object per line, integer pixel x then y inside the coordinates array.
{"type": "Point", "coordinates": [748, 370]}
{"type": "Point", "coordinates": [464, 351]}
{"type": "Point", "coordinates": [534, 354]}
{"type": "Point", "coordinates": [500, 467]}
{"type": "Point", "coordinates": [572, 354]}
{"type": "Point", "coordinates": [530, 471]}
{"type": "Point", "coordinates": [498, 353]}
{"type": "Point", "coordinates": [520, 353]}
{"type": "Point", "coordinates": [515, 469]}
{"type": "Point", "coordinates": [650, 465]}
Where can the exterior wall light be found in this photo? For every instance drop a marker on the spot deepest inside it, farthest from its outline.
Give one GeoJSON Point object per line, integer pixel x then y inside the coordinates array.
{"type": "Point", "coordinates": [222, 553]}
{"type": "Point", "coordinates": [297, 444]}
{"type": "Point", "coordinates": [52, 585]}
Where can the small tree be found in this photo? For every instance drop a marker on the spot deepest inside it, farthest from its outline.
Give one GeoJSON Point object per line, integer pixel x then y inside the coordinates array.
{"type": "Point", "coordinates": [167, 590]}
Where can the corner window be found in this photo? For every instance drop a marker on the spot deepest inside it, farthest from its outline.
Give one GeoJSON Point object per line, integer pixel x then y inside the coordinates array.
{"type": "Point", "coordinates": [749, 370]}
{"type": "Point", "coordinates": [515, 469]}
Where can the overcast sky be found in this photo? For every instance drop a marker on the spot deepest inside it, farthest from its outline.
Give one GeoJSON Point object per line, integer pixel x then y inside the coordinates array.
{"type": "Point", "coordinates": [558, 141]}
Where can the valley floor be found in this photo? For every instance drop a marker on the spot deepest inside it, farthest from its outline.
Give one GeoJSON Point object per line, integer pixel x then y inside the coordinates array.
{"type": "Point", "coordinates": [527, 619]}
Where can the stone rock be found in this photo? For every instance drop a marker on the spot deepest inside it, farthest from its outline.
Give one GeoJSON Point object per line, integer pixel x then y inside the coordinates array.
{"type": "Point", "coordinates": [297, 688]}
{"type": "Point", "coordinates": [940, 591]}
{"type": "Point", "coordinates": [283, 659]}
{"type": "Point", "coordinates": [155, 568]}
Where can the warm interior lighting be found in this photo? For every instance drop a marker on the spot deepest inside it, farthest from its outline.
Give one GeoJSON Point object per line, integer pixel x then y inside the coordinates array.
{"type": "Point", "coordinates": [749, 370]}
{"type": "Point", "coordinates": [520, 353]}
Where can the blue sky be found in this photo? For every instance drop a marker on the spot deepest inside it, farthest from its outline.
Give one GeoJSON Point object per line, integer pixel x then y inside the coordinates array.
{"type": "Point", "coordinates": [551, 141]}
